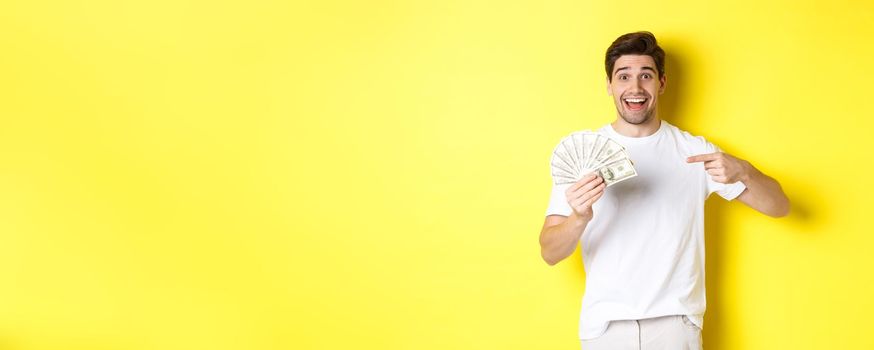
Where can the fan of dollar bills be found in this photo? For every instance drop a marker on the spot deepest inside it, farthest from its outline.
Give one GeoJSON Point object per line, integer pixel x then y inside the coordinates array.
{"type": "Point", "coordinates": [585, 152]}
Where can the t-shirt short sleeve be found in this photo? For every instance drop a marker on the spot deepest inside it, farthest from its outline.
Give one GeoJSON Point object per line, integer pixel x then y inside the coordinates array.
{"type": "Point", "coordinates": [727, 191]}
{"type": "Point", "coordinates": [558, 201]}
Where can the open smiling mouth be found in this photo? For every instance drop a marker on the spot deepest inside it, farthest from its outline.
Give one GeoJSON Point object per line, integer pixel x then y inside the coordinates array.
{"type": "Point", "coordinates": [634, 104]}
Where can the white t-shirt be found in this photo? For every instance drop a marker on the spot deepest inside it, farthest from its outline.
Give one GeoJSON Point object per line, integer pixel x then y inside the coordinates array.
{"type": "Point", "coordinates": [643, 251]}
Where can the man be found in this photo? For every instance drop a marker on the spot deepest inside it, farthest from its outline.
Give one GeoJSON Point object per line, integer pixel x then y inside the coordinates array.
{"type": "Point", "coordinates": [643, 239]}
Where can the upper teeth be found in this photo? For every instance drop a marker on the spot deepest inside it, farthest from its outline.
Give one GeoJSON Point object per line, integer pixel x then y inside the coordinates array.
{"type": "Point", "coordinates": [635, 99]}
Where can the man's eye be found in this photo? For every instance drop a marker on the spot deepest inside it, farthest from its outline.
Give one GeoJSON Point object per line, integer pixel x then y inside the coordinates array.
{"type": "Point", "coordinates": [623, 77]}
{"type": "Point", "coordinates": [646, 76]}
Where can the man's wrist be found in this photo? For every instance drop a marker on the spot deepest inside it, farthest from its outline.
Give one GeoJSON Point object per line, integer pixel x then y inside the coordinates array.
{"type": "Point", "coordinates": [580, 219]}
{"type": "Point", "coordinates": [749, 172]}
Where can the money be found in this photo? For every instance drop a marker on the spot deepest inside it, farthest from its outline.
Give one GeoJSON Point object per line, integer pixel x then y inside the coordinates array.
{"type": "Point", "coordinates": [585, 152]}
{"type": "Point", "coordinates": [617, 171]}
{"type": "Point", "coordinates": [596, 148]}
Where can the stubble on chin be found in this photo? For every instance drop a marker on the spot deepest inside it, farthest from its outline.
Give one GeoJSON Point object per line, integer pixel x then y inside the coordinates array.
{"type": "Point", "coordinates": [637, 121]}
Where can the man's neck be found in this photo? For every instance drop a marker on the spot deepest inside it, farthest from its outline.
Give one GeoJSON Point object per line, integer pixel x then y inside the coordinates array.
{"type": "Point", "coordinates": [636, 130]}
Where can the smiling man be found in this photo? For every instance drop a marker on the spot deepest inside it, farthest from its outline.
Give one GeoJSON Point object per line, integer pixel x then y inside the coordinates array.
{"type": "Point", "coordinates": [642, 240]}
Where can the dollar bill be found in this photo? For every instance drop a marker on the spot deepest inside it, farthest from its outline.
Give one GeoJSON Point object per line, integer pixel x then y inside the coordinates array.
{"type": "Point", "coordinates": [562, 180]}
{"type": "Point", "coordinates": [560, 157]}
{"type": "Point", "coordinates": [617, 171]}
{"type": "Point", "coordinates": [570, 149]}
{"type": "Point", "coordinates": [578, 143]}
{"type": "Point", "coordinates": [560, 167]}
{"type": "Point", "coordinates": [596, 148]}
{"type": "Point", "coordinates": [609, 148]}
{"type": "Point", "coordinates": [564, 174]}
{"type": "Point", "coordinates": [617, 156]}
{"type": "Point", "coordinates": [585, 152]}
{"type": "Point", "coordinates": [588, 143]}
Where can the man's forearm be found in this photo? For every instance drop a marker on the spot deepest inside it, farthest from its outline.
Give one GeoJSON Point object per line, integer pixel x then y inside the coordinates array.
{"type": "Point", "coordinates": [559, 241]}
{"type": "Point", "coordinates": [764, 193]}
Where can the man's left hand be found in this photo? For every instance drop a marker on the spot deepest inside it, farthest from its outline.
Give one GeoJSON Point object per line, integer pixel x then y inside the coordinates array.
{"type": "Point", "coordinates": [723, 167]}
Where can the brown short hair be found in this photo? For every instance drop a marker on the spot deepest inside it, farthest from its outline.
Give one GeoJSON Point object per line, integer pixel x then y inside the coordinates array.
{"type": "Point", "coordinates": [637, 43]}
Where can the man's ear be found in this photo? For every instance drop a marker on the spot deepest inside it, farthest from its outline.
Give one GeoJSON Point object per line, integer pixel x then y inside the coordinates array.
{"type": "Point", "coordinates": [609, 91]}
{"type": "Point", "coordinates": [662, 81]}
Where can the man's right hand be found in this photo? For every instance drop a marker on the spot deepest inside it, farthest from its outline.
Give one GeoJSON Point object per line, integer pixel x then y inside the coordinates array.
{"type": "Point", "coordinates": [561, 234]}
{"type": "Point", "coordinates": [584, 193]}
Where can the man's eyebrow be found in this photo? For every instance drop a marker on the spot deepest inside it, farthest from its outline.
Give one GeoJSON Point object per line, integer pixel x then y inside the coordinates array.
{"type": "Point", "coordinates": [641, 68]}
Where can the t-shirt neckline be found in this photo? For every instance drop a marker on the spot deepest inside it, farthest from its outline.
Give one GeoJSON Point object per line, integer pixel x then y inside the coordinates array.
{"type": "Point", "coordinates": [644, 139]}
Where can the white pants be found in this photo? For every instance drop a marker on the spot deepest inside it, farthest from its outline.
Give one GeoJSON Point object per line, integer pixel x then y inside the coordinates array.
{"type": "Point", "coordinates": [675, 332]}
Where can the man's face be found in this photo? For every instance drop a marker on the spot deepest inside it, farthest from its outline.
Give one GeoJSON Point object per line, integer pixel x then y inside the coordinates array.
{"type": "Point", "coordinates": [635, 88]}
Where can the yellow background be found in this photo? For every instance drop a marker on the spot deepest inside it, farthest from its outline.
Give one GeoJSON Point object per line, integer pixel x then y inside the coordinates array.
{"type": "Point", "coordinates": [374, 174]}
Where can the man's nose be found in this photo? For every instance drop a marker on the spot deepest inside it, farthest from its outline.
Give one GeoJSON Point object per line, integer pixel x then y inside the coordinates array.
{"type": "Point", "coordinates": [637, 84]}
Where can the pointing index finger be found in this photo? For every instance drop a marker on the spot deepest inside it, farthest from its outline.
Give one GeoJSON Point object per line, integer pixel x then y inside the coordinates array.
{"type": "Point", "coordinates": [702, 157]}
